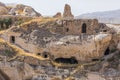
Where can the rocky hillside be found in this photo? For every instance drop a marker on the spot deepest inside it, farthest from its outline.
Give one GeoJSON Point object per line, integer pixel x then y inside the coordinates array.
{"type": "Point", "coordinates": [112, 17]}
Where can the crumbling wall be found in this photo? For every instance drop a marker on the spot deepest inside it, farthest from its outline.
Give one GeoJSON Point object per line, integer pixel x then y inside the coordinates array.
{"type": "Point", "coordinates": [76, 26]}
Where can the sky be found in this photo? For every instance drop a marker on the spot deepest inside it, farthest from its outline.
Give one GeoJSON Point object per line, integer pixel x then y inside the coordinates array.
{"type": "Point", "coordinates": [51, 7]}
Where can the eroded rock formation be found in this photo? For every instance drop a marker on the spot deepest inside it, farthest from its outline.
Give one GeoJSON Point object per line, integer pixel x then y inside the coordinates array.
{"type": "Point", "coordinates": [67, 12]}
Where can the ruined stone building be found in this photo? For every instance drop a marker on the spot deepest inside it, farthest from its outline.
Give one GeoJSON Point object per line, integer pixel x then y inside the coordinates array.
{"type": "Point", "coordinates": [79, 26]}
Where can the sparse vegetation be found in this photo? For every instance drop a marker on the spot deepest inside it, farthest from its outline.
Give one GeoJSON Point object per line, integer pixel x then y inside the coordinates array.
{"type": "Point", "coordinates": [5, 23]}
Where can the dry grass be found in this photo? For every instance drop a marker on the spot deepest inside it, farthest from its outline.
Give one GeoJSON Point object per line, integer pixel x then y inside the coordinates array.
{"type": "Point", "coordinates": [38, 21]}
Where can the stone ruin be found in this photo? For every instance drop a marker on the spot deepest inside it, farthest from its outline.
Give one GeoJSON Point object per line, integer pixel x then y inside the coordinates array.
{"type": "Point", "coordinates": [74, 39]}
{"type": "Point", "coordinates": [67, 12]}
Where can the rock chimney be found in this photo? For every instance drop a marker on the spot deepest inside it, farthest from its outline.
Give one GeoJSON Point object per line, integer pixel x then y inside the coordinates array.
{"type": "Point", "coordinates": [67, 12]}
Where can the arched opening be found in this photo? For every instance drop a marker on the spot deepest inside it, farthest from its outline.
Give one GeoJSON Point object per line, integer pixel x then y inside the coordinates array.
{"type": "Point", "coordinates": [12, 39]}
{"type": "Point", "coordinates": [107, 52]}
{"type": "Point", "coordinates": [84, 26]}
{"type": "Point", "coordinates": [66, 60]}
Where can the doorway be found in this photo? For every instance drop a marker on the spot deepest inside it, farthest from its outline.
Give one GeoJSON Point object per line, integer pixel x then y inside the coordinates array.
{"type": "Point", "coordinates": [84, 26]}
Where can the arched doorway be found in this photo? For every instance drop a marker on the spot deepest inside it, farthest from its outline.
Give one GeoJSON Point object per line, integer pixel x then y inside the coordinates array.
{"type": "Point", "coordinates": [107, 52]}
{"type": "Point", "coordinates": [84, 26]}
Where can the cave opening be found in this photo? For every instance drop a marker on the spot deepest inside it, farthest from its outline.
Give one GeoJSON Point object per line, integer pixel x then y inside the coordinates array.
{"type": "Point", "coordinates": [66, 60]}
{"type": "Point", "coordinates": [38, 54]}
{"type": "Point", "coordinates": [95, 59]}
{"type": "Point", "coordinates": [107, 52]}
{"type": "Point", "coordinates": [45, 54]}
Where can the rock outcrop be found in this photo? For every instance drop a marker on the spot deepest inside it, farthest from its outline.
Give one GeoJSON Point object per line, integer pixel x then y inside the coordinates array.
{"type": "Point", "coordinates": [57, 15]}
{"type": "Point", "coordinates": [24, 11]}
{"type": "Point", "coordinates": [67, 12]}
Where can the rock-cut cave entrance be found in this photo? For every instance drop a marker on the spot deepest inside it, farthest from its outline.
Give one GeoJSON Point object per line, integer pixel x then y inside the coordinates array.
{"type": "Point", "coordinates": [107, 52]}
{"type": "Point", "coordinates": [71, 60]}
{"type": "Point", "coordinates": [12, 39]}
{"type": "Point", "coordinates": [45, 54]}
{"type": "Point", "coordinates": [84, 26]}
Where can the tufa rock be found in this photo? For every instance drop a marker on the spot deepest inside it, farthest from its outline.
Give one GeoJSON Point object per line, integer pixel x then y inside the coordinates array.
{"type": "Point", "coordinates": [58, 15]}
{"type": "Point", "coordinates": [24, 11]}
{"type": "Point", "coordinates": [67, 12]}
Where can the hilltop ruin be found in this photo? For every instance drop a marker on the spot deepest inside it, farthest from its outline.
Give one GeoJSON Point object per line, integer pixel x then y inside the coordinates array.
{"type": "Point", "coordinates": [60, 46]}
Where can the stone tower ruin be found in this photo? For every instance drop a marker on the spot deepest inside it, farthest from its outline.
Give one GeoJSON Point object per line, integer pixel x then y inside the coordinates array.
{"type": "Point", "coordinates": [67, 12]}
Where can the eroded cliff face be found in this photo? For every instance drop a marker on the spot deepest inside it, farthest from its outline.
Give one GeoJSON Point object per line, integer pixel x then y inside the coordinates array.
{"type": "Point", "coordinates": [83, 48]}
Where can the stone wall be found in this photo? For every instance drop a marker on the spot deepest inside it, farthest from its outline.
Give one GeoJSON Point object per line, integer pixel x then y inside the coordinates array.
{"type": "Point", "coordinates": [76, 26]}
